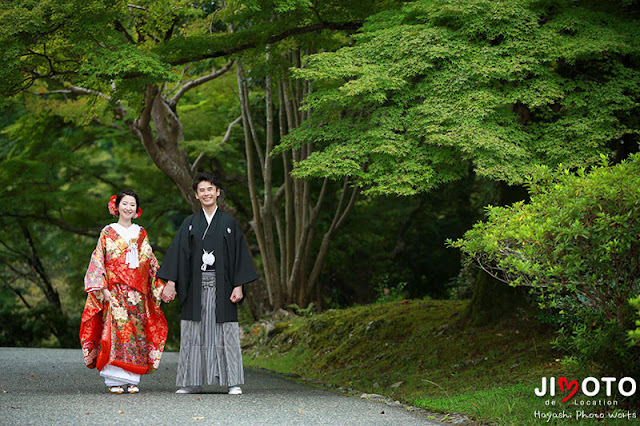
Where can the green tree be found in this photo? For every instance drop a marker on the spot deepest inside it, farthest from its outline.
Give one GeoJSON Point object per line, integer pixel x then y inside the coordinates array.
{"type": "Point", "coordinates": [54, 176]}
{"type": "Point", "coordinates": [40, 221]}
{"type": "Point", "coordinates": [141, 59]}
{"type": "Point", "coordinates": [288, 213]}
{"type": "Point", "coordinates": [437, 85]}
{"type": "Point", "coordinates": [124, 65]}
{"type": "Point", "coordinates": [576, 246]}
{"type": "Point", "coordinates": [505, 85]}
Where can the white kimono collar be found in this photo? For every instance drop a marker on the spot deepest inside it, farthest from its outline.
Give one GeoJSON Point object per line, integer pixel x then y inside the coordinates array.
{"type": "Point", "coordinates": [129, 234]}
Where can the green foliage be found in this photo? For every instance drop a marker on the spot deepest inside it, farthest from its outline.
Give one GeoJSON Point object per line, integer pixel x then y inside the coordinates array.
{"type": "Point", "coordinates": [505, 85]}
{"type": "Point", "coordinates": [418, 353]}
{"type": "Point", "coordinates": [57, 177]}
{"type": "Point", "coordinates": [390, 292]}
{"type": "Point", "coordinates": [28, 327]}
{"type": "Point", "coordinates": [305, 312]}
{"type": "Point", "coordinates": [576, 245]}
{"type": "Point", "coordinates": [78, 40]}
{"type": "Point", "coordinates": [118, 48]}
{"type": "Point", "coordinates": [634, 335]}
{"type": "Point", "coordinates": [593, 338]}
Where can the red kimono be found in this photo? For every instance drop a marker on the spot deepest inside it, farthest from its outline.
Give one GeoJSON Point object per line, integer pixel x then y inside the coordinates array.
{"type": "Point", "coordinates": [132, 333]}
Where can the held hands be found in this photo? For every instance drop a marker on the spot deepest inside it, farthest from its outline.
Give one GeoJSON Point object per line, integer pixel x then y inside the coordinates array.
{"type": "Point", "coordinates": [106, 295]}
{"type": "Point", "coordinates": [236, 294]}
{"type": "Point", "coordinates": [169, 292]}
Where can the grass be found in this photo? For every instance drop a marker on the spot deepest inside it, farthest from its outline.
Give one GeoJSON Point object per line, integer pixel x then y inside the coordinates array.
{"type": "Point", "coordinates": [422, 353]}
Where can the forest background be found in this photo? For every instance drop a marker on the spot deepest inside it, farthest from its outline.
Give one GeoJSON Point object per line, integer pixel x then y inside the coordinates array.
{"type": "Point", "coordinates": [354, 140]}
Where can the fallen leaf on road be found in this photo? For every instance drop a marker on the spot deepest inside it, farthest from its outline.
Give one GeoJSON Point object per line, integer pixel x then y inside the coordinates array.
{"type": "Point", "coordinates": [198, 399]}
{"type": "Point", "coordinates": [197, 418]}
{"type": "Point", "coordinates": [120, 412]}
{"type": "Point", "coordinates": [381, 412]}
{"type": "Point", "coordinates": [299, 412]}
{"type": "Point", "coordinates": [32, 376]}
{"type": "Point", "coordinates": [88, 414]}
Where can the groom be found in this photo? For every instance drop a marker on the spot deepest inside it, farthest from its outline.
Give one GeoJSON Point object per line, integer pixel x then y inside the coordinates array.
{"type": "Point", "coordinates": [206, 265]}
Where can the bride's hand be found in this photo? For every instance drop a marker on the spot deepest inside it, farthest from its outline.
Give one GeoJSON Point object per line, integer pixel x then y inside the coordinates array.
{"type": "Point", "coordinates": [106, 294]}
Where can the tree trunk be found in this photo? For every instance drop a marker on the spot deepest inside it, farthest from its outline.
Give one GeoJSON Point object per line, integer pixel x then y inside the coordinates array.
{"type": "Point", "coordinates": [492, 299]}
{"type": "Point", "coordinates": [285, 217]}
{"type": "Point", "coordinates": [162, 143]}
{"type": "Point", "coordinates": [55, 317]}
{"type": "Point", "coordinates": [163, 147]}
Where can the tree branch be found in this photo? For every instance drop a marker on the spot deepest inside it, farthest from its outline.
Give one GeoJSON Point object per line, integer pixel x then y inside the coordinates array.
{"type": "Point", "coordinates": [197, 82]}
{"type": "Point", "coordinates": [248, 122]}
{"type": "Point", "coordinates": [18, 272]}
{"type": "Point", "coordinates": [89, 232]}
{"type": "Point", "coordinates": [169, 32]}
{"type": "Point", "coordinates": [71, 89]}
{"type": "Point", "coordinates": [133, 6]}
{"type": "Point", "coordinates": [145, 118]}
{"type": "Point", "coordinates": [50, 293]}
{"type": "Point", "coordinates": [269, 40]}
{"type": "Point", "coordinates": [118, 26]}
{"type": "Point", "coordinates": [225, 139]}
{"type": "Point", "coordinates": [279, 194]}
{"type": "Point", "coordinates": [13, 250]}
{"type": "Point", "coordinates": [19, 294]}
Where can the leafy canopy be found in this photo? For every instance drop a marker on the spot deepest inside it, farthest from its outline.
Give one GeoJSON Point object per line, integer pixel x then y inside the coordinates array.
{"type": "Point", "coordinates": [117, 48]}
{"type": "Point", "coordinates": [507, 85]}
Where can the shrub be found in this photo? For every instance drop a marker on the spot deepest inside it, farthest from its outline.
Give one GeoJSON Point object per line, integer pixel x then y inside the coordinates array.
{"type": "Point", "coordinates": [634, 335]}
{"type": "Point", "coordinates": [576, 244]}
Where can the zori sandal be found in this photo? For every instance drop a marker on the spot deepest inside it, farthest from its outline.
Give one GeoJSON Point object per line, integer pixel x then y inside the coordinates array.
{"type": "Point", "coordinates": [133, 389]}
{"type": "Point", "coordinates": [116, 389]}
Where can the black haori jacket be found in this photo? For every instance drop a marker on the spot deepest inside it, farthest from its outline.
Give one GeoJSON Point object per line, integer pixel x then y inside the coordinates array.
{"type": "Point", "coordinates": [232, 263]}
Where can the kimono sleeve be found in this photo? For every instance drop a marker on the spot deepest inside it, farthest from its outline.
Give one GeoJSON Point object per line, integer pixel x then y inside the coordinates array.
{"type": "Point", "coordinates": [170, 264]}
{"type": "Point", "coordinates": [176, 263]}
{"type": "Point", "coordinates": [155, 285]}
{"type": "Point", "coordinates": [243, 271]}
{"type": "Point", "coordinates": [96, 276]}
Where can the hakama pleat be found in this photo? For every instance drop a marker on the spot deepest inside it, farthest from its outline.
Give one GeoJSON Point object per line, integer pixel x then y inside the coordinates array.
{"type": "Point", "coordinates": [209, 351]}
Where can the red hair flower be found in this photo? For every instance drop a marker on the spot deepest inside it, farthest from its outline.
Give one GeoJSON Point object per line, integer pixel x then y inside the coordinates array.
{"type": "Point", "coordinates": [113, 209]}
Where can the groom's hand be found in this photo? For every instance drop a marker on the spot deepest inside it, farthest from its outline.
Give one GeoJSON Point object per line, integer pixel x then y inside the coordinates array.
{"type": "Point", "coordinates": [236, 294]}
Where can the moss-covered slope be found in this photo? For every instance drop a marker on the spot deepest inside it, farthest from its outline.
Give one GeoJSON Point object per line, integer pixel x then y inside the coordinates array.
{"type": "Point", "coordinates": [420, 352]}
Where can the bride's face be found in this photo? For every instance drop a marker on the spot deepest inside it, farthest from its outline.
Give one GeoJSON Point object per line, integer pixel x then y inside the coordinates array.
{"type": "Point", "coordinates": [127, 207]}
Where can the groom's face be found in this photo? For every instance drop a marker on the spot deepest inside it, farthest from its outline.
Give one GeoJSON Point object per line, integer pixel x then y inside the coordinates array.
{"type": "Point", "coordinates": [207, 193]}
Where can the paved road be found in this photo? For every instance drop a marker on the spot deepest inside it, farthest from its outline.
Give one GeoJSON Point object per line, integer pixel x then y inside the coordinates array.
{"type": "Point", "coordinates": [52, 386]}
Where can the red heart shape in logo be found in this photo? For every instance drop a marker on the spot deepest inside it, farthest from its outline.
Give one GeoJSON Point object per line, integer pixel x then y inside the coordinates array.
{"type": "Point", "coordinates": [563, 382]}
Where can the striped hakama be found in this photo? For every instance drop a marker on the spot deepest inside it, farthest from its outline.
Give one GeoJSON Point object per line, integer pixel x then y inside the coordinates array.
{"type": "Point", "coordinates": [209, 351]}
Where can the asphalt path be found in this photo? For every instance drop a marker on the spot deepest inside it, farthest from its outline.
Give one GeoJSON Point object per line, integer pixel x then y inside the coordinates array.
{"type": "Point", "coordinates": [52, 386]}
